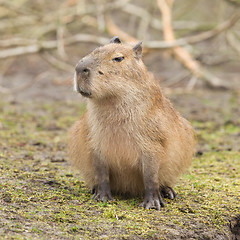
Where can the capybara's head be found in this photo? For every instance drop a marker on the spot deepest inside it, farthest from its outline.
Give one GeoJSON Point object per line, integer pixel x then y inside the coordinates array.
{"type": "Point", "coordinates": [110, 70]}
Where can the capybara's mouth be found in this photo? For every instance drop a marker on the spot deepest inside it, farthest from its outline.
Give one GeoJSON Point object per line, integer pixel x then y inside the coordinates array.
{"type": "Point", "coordinates": [85, 94]}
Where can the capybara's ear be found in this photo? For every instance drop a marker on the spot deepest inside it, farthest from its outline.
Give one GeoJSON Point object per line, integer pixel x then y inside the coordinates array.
{"type": "Point", "coordinates": [115, 40]}
{"type": "Point", "coordinates": [138, 49]}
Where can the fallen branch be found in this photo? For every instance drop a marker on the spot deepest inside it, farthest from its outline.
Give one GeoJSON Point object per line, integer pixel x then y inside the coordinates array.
{"type": "Point", "coordinates": [19, 51]}
{"type": "Point", "coordinates": [212, 33]}
{"type": "Point", "coordinates": [16, 42]}
{"type": "Point", "coordinates": [44, 45]}
{"type": "Point", "coordinates": [180, 53]}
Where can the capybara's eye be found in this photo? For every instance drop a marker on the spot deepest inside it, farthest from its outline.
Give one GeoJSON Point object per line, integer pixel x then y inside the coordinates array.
{"type": "Point", "coordinates": [118, 59]}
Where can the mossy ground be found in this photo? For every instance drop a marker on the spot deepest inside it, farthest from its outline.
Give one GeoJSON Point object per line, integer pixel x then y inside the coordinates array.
{"type": "Point", "coordinates": [42, 198]}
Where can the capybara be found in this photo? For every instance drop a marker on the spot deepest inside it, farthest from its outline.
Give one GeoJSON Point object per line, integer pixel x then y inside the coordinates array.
{"type": "Point", "coordinates": [130, 140]}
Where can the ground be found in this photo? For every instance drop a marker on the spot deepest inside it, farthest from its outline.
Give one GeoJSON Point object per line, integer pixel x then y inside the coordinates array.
{"type": "Point", "coordinates": [41, 197]}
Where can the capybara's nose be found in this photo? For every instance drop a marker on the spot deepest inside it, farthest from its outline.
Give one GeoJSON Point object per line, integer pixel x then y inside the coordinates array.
{"type": "Point", "coordinates": [82, 70]}
{"type": "Point", "coordinates": [86, 71]}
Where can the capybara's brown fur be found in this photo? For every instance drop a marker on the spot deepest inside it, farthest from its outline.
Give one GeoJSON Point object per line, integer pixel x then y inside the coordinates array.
{"type": "Point", "coordinates": [131, 140]}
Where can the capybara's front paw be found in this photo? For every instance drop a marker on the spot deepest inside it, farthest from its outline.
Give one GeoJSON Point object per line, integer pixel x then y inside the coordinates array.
{"type": "Point", "coordinates": [153, 200]}
{"type": "Point", "coordinates": [168, 192]}
{"type": "Point", "coordinates": [101, 194]}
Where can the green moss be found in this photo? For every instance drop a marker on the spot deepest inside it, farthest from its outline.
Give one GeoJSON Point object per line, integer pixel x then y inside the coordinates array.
{"type": "Point", "coordinates": [41, 197]}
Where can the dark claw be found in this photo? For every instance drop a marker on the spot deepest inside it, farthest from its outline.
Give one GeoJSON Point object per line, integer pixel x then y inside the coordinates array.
{"type": "Point", "coordinates": [168, 192]}
{"type": "Point", "coordinates": [93, 190]}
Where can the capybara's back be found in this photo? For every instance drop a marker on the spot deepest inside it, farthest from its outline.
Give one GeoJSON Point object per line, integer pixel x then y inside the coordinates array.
{"type": "Point", "coordinates": [131, 140]}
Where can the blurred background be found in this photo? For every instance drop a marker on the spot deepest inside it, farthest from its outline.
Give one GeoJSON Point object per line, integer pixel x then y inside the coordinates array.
{"type": "Point", "coordinates": [193, 49]}
{"type": "Point", "coordinates": [189, 45]}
